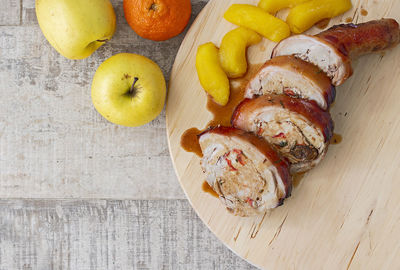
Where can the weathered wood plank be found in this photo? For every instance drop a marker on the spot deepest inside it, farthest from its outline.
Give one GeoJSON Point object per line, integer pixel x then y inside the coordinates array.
{"type": "Point", "coordinates": [10, 12]}
{"type": "Point", "coordinates": [53, 144]}
{"type": "Point", "coordinates": [108, 235]}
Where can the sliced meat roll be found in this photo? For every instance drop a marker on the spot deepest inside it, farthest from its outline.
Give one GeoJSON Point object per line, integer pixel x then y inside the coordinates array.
{"type": "Point", "coordinates": [333, 49]}
{"type": "Point", "coordinates": [298, 129]}
{"type": "Point", "coordinates": [245, 171]}
{"type": "Point", "coordinates": [294, 77]}
{"type": "Point", "coordinates": [319, 52]}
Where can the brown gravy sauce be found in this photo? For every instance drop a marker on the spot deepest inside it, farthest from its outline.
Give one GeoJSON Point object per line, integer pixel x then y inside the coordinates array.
{"type": "Point", "coordinates": [190, 142]}
{"type": "Point", "coordinates": [364, 12]}
{"type": "Point", "coordinates": [322, 24]}
{"type": "Point", "coordinates": [221, 114]}
{"type": "Point", "coordinates": [297, 178]}
{"type": "Point", "coordinates": [207, 189]}
{"type": "Point", "coordinates": [336, 139]}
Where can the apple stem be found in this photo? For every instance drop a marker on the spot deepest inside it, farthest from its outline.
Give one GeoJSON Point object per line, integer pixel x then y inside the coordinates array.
{"type": "Point", "coordinates": [132, 90]}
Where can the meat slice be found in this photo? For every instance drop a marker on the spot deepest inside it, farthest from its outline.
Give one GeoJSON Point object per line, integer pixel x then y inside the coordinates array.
{"type": "Point", "coordinates": [245, 171]}
{"type": "Point", "coordinates": [333, 49]}
{"type": "Point", "coordinates": [319, 52]}
{"type": "Point", "coordinates": [294, 77]}
{"type": "Point", "coordinates": [298, 129]}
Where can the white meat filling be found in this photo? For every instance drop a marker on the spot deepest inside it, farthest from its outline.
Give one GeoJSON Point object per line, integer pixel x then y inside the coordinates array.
{"type": "Point", "coordinates": [317, 52]}
{"type": "Point", "coordinates": [277, 80]}
{"type": "Point", "coordinates": [292, 134]}
{"type": "Point", "coordinates": [240, 174]}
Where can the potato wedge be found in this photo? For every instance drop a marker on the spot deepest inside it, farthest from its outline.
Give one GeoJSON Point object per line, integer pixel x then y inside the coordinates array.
{"type": "Point", "coordinates": [257, 20]}
{"type": "Point", "coordinates": [211, 75]}
{"type": "Point", "coordinates": [273, 6]}
{"type": "Point", "coordinates": [232, 52]}
{"type": "Point", "coordinates": [304, 16]}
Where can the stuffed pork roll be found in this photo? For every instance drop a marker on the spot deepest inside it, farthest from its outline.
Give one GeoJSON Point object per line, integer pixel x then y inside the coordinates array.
{"type": "Point", "coordinates": [298, 129]}
{"type": "Point", "coordinates": [246, 172]}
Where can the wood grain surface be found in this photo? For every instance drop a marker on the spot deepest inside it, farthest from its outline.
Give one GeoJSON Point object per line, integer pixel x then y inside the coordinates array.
{"type": "Point", "coordinates": [108, 235]}
{"type": "Point", "coordinates": [53, 144]}
{"type": "Point", "coordinates": [345, 214]}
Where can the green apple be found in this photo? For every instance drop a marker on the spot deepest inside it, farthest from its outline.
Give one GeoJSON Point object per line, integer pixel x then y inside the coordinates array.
{"type": "Point", "coordinates": [76, 28]}
{"type": "Point", "coordinates": [129, 90]}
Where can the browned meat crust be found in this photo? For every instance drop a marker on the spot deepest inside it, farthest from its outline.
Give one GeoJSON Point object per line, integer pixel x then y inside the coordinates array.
{"type": "Point", "coordinates": [334, 49]}
{"type": "Point", "coordinates": [309, 109]}
{"type": "Point", "coordinates": [354, 40]}
{"type": "Point", "coordinates": [307, 70]}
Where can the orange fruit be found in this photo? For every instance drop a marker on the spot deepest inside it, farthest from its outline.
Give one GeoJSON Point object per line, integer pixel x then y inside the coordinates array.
{"type": "Point", "coordinates": [157, 19]}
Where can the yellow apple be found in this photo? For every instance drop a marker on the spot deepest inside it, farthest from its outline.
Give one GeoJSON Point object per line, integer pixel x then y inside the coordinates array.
{"type": "Point", "coordinates": [129, 90]}
{"type": "Point", "coordinates": [232, 51]}
{"type": "Point", "coordinates": [211, 75]}
{"type": "Point", "coordinates": [76, 28]}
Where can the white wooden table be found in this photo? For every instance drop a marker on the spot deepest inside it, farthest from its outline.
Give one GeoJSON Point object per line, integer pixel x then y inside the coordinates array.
{"type": "Point", "coordinates": [76, 191]}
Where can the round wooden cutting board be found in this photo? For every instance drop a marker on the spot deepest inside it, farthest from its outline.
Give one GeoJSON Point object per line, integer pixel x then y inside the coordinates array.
{"type": "Point", "coordinates": [344, 214]}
